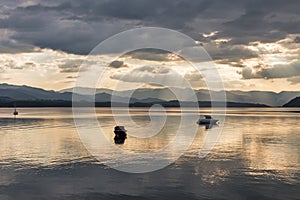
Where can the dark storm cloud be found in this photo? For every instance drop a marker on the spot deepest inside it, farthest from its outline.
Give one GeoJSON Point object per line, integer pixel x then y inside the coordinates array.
{"type": "Point", "coordinates": [149, 54]}
{"type": "Point", "coordinates": [19, 22]}
{"type": "Point", "coordinates": [264, 21]}
{"type": "Point", "coordinates": [47, 27]}
{"type": "Point", "coordinates": [75, 65]}
{"type": "Point", "coordinates": [168, 12]}
{"type": "Point", "coordinates": [70, 66]}
{"type": "Point", "coordinates": [74, 37]}
{"type": "Point", "coordinates": [277, 71]}
{"type": "Point", "coordinates": [117, 64]}
{"type": "Point", "coordinates": [11, 46]}
{"type": "Point", "coordinates": [230, 54]}
{"type": "Point", "coordinates": [78, 26]}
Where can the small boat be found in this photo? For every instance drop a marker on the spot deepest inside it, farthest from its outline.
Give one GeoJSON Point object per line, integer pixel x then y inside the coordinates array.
{"type": "Point", "coordinates": [15, 113]}
{"type": "Point", "coordinates": [208, 120]}
{"type": "Point", "coordinates": [120, 134]}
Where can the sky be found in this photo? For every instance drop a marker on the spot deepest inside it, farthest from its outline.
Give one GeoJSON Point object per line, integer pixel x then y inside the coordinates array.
{"type": "Point", "coordinates": [255, 45]}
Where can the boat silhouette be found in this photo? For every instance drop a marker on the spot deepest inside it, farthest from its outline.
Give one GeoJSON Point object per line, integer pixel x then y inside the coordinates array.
{"type": "Point", "coordinates": [208, 121]}
{"type": "Point", "coordinates": [15, 113]}
{"type": "Point", "coordinates": [120, 134]}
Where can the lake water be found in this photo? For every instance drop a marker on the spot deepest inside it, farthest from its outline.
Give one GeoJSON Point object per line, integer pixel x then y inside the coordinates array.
{"type": "Point", "coordinates": [257, 156]}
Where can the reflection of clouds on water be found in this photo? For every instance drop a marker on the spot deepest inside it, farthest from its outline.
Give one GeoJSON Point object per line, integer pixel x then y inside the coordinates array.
{"type": "Point", "coordinates": [140, 144]}
{"type": "Point", "coordinates": [31, 143]}
{"type": "Point", "coordinates": [268, 146]}
{"type": "Point", "coordinates": [253, 156]}
{"type": "Point", "coordinates": [216, 176]}
{"type": "Point", "coordinates": [89, 181]}
{"type": "Point", "coordinates": [31, 123]}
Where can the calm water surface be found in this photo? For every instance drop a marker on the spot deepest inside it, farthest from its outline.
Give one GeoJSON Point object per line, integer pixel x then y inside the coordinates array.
{"type": "Point", "coordinates": [256, 157]}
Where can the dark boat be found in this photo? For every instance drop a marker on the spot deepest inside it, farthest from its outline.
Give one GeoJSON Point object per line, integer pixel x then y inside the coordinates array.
{"type": "Point", "coordinates": [15, 113]}
{"type": "Point", "coordinates": [120, 134]}
{"type": "Point", "coordinates": [208, 121]}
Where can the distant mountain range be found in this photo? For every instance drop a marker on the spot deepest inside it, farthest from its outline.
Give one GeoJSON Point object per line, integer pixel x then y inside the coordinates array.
{"type": "Point", "coordinates": [144, 96]}
{"type": "Point", "coordinates": [293, 103]}
{"type": "Point", "coordinates": [253, 97]}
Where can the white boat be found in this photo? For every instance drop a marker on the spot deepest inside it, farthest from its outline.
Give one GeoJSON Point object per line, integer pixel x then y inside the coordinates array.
{"type": "Point", "coordinates": [208, 120]}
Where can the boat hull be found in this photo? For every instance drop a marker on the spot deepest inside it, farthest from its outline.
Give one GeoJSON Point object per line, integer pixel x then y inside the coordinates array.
{"type": "Point", "coordinates": [120, 137]}
{"type": "Point", "coordinates": [207, 121]}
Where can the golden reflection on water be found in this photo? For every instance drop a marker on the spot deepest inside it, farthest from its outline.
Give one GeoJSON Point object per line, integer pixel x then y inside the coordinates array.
{"type": "Point", "coordinates": [262, 144]}
{"type": "Point", "coordinates": [35, 147]}
{"type": "Point", "coordinates": [266, 145]}
{"type": "Point", "coordinates": [157, 142]}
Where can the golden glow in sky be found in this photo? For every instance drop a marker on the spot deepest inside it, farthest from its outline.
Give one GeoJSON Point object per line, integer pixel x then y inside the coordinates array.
{"type": "Point", "coordinates": [56, 70]}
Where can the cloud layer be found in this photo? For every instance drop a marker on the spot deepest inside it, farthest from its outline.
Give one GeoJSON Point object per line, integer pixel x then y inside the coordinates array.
{"type": "Point", "coordinates": [77, 26]}
{"type": "Point", "coordinates": [254, 39]}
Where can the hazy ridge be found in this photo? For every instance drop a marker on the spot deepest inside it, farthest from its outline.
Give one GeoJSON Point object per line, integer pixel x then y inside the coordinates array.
{"type": "Point", "coordinates": [12, 93]}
